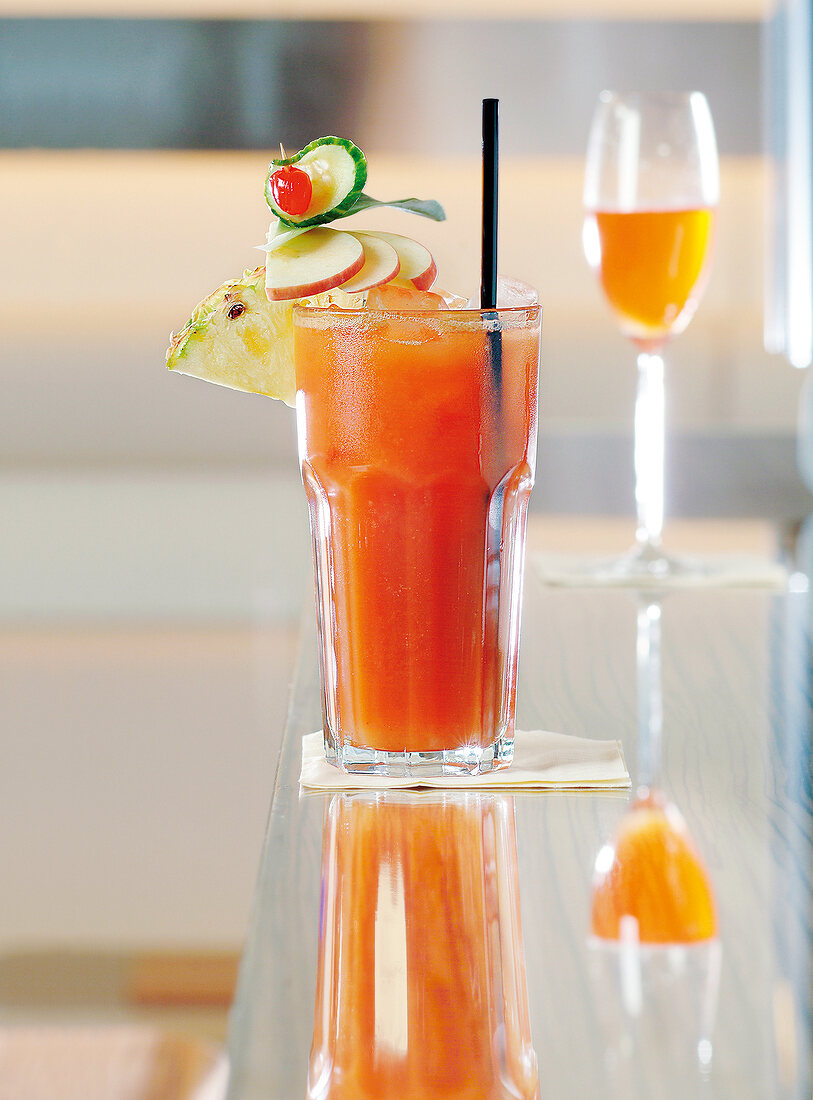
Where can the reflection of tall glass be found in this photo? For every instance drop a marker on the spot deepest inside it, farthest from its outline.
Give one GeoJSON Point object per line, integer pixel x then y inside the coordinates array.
{"type": "Point", "coordinates": [421, 971]}
{"type": "Point", "coordinates": [417, 436]}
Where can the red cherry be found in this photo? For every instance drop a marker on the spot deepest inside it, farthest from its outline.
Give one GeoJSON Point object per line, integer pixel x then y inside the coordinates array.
{"type": "Point", "coordinates": [292, 189]}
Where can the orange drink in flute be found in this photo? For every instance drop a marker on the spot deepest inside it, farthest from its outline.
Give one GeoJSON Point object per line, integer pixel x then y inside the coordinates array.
{"type": "Point", "coordinates": [653, 268]}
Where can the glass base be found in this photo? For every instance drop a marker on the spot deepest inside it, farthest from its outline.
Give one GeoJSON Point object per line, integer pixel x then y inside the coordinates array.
{"type": "Point", "coordinates": [652, 568]}
{"type": "Point", "coordinates": [465, 760]}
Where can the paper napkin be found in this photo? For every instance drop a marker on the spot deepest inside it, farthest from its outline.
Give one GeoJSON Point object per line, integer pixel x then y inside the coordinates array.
{"type": "Point", "coordinates": [542, 761]}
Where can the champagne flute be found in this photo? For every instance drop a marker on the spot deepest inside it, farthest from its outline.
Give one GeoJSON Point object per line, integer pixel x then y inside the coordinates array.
{"type": "Point", "coordinates": [650, 194]}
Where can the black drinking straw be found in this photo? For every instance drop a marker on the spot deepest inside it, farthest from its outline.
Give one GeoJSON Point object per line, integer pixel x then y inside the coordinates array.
{"type": "Point", "coordinates": [488, 276]}
{"type": "Point", "coordinates": [491, 166]}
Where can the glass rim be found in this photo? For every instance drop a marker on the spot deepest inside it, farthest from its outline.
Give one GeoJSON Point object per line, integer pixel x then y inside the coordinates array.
{"type": "Point", "coordinates": [667, 95]}
{"type": "Point", "coordinates": [363, 311]}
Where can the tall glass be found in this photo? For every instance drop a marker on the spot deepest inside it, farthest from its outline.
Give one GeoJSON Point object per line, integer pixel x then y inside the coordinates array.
{"type": "Point", "coordinates": [417, 439]}
{"type": "Point", "coordinates": [650, 194]}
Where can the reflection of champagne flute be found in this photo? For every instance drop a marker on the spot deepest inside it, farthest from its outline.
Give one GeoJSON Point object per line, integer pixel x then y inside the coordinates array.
{"type": "Point", "coordinates": [650, 192]}
{"type": "Point", "coordinates": [654, 949]}
{"type": "Point", "coordinates": [421, 973]}
{"type": "Point", "coordinates": [650, 885]}
{"type": "Point", "coordinates": [654, 954]}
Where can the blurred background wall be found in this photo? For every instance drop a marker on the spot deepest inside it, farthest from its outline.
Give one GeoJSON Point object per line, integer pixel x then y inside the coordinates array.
{"type": "Point", "coordinates": [132, 157]}
{"type": "Point", "coordinates": [154, 554]}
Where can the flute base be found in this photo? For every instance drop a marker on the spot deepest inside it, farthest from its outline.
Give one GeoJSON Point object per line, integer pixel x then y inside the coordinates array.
{"type": "Point", "coordinates": [653, 569]}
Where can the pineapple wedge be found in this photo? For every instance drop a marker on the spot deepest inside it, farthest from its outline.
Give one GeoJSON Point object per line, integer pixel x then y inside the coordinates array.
{"type": "Point", "coordinates": [237, 338]}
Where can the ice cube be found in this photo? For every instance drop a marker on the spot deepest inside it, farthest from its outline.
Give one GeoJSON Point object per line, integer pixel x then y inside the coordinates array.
{"type": "Point", "coordinates": [511, 294]}
{"type": "Point", "coordinates": [340, 299]}
{"type": "Point", "coordinates": [404, 298]}
{"type": "Point", "coordinates": [452, 300]}
{"type": "Point", "coordinates": [514, 294]}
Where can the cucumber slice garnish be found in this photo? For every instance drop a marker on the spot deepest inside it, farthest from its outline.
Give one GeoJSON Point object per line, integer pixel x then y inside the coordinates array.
{"type": "Point", "coordinates": [279, 234]}
{"type": "Point", "coordinates": [338, 172]}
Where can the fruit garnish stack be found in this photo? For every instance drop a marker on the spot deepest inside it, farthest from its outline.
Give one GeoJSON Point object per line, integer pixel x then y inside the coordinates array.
{"type": "Point", "coordinates": [241, 335]}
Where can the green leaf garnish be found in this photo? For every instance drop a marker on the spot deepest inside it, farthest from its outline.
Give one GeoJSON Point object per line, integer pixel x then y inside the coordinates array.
{"type": "Point", "coordinates": [427, 208]}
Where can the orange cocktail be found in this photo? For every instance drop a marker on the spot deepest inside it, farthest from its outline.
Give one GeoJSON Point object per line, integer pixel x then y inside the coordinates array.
{"type": "Point", "coordinates": [417, 435]}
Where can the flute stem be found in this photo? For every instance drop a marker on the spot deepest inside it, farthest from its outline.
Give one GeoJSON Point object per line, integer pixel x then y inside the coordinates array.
{"type": "Point", "coordinates": [649, 448]}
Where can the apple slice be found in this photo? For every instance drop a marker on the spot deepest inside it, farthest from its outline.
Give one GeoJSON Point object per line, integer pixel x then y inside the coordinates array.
{"type": "Point", "coordinates": [318, 260]}
{"type": "Point", "coordinates": [381, 264]}
{"type": "Point", "coordinates": [417, 265]}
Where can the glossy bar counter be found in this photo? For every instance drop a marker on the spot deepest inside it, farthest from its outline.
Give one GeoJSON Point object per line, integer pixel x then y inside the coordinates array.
{"type": "Point", "coordinates": [480, 944]}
